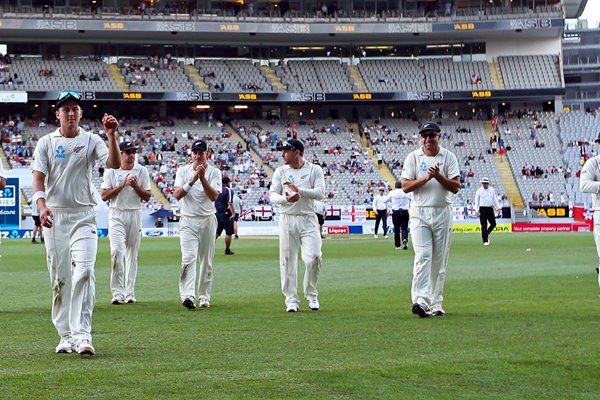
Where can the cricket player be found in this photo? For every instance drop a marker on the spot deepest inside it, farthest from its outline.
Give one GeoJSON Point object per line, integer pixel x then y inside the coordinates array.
{"type": "Point", "coordinates": [431, 173]}
{"type": "Point", "coordinates": [225, 214]}
{"type": "Point", "coordinates": [295, 187]}
{"type": "Point", "coordinates": [63, 190]}
{"type": "Point", "coordinates": [197, 186]}
{"type": "Point", "coordinates": [126, 188]}
{"type": "Point", "coordinates": [589, 182]}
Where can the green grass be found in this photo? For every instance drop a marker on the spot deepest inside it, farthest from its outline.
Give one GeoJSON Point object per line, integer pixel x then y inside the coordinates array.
{"type": "Point", "coordinates": [520, 325]}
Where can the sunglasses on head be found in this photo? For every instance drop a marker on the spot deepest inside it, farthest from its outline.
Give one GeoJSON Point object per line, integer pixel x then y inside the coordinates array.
{"type": "Point", "coordinates": [68, 94]}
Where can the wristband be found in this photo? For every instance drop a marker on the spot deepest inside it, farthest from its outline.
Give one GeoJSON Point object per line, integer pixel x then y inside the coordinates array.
{"type": "Point", "coordinates": [37, 196]}
{"type": "Point", "coordinates": [187, 187]}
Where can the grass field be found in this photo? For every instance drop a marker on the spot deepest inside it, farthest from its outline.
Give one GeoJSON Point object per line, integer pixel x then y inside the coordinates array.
{"type": "Point", "coordinates": [520, 325]}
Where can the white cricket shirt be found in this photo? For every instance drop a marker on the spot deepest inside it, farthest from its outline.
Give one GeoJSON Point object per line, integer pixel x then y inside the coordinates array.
{"type": "Point", "coordinates": [68, 164]}
{"type": "Point", "coordinates": [126, 199]}
{"type": "Point", "coordinates": [589, 180]}
{"type": "Point", "coordinates": [311, 184]}
{"type": "Point", "coordinates": [196, 203]}
{"type": "Point", "coordinates": [432, 194]}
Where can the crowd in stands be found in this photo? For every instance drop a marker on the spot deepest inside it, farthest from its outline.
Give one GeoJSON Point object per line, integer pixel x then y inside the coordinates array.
{"type": "Point", "coordinates": [351, 174]}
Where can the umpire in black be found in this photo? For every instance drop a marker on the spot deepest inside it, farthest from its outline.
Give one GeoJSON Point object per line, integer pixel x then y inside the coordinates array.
{"type": "Point", "coordinates": [225, 214]}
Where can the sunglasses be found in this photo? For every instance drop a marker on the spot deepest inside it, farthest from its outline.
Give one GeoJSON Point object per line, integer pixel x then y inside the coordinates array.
{"type": "Point", "coordinates": [68, 94]}
{"type": "Point", "coordinates": [129, 152]}
{"type": "Point", "coordinates": [430, 135]}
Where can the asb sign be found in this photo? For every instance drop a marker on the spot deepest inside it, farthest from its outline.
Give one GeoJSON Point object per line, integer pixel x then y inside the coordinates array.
{"type": "Point", "coordinates": [552, 212]}
{"type": "Point", "coordinates": [10, 207]}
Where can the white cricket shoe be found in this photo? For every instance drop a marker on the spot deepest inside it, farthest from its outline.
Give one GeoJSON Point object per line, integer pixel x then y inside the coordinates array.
{"type": "Point", "coordinates": [65, 345]}
{"type": "Point", "coordinates": [375, 236]}
{"type": "Point", "coordinates": [84, 347]}
{"type": "Point", "coordinates": [204, 303]}
{"type": "Point", "coordinates": [438, 311]}
{"type": "Point", "coordinates": [130, 298]}
{"type": "Point", "coordinates": [486, 243]}
{"type": "Point", "coordinates": [313, 304]}
{"type": "Point", "coordinates": [118, 299]}
{"type": "Point", "coordinates": [292, 308]}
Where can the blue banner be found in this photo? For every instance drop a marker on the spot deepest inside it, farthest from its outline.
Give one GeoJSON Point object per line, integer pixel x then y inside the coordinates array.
{"type": "Point", "coordinates": [10, 205]}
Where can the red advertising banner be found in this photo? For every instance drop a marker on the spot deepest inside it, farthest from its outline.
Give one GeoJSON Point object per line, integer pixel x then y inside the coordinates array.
{"type": "Point", "coordinates": [581, 213]}
{"type": "Point", "coordinates": [338, 230]}
{"type": "Point", "coordinates": [589, 227]}
{"type": "Point", "coordinates": [542, 227]}
{"type": "Point", "coordinates": [577, 227]}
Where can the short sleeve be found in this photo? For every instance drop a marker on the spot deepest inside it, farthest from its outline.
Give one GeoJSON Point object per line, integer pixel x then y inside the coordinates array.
{"type": "Point", "coordinates": [40, 156]}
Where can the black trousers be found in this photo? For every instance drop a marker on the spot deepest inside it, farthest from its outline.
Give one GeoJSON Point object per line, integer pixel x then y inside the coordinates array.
{"type": "Point", "coordinates": [400, 220]}
{"type": "Point", "coordinates": [487, 214]}
{"type": "Point", "coordinates": [381, 215]}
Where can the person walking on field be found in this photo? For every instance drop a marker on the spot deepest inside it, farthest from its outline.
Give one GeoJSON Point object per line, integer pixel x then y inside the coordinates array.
{"type": "Point", "coordinates": [63, 190]}
{"type": "Point", "coordinates": [197, 186]}
{"type": "Point", "coordinates": [37, 225]}
{"type": "Point", "coordinates": [321, 212]}
{"type": "Point", "coordinates": [225, 214]}
{"type": "Point", "coordinates": [431, 174]}
{"type": "Point", "coordinates": [295, 187]}
{"type": "Point", "coordinates": [400, 215]}
{"type": "Point", "coordinates": [380, 201]}
{"type": "Point", "coordinates": [126, 188]}
{"type": "Point", "coordinates": [238, 208]}
{"type": "Point", "coordinates": [486, 205]}
{"type": "Point", "coordinates": [589, 182]}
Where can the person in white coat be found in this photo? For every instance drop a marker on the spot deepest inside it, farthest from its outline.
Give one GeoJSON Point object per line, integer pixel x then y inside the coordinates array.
{"type": "Point", "coordinates": [295, 187]}
{"type": "Point", "coordinates": [380, 208]}
{"type": "Point", "coordinates": [400, 215]}
{"type": "Point", "coordinates": [589, 182]}
{"type": "Point", "coordinates": [126, 188]}
{"type": "Point", "coordinates": [63, 190]}
{"type": "Point", "coordinates": [431, 174]}
{"type": "Point", "coordinates": [486, 204]}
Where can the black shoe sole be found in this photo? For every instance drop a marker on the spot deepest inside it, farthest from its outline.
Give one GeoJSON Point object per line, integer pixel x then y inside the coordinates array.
{"type": "Point", "coordinates": [418, 310]}
{"type": "Point", "coordinates": [438, 314]}
{"type": "Point", "coordinates": [189, 304]}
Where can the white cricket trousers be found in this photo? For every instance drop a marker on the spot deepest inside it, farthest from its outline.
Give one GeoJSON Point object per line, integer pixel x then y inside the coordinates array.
{"type": "Point", "coordinates": [124, 234]}
{"type": "Point", "coordinates": [197, 240]}
{"type": "Point", "coordinates": [299, 231]}
{"type": "Point", "coordinates": [431, 232]}
{"type": "Point", "coordinates": [597, 237]}
{"type": "Point", "coordinates": [71, 247]}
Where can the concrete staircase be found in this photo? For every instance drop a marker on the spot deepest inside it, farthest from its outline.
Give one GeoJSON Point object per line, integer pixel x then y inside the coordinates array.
{"type": "Point", "coordinates": [359, 82]}
{"type": "Point", "coordinates": [119, 79]}
{"type": "Point", "coordinates": [496, 75]}
{"type": "Point", "coordinates": [384, 170]}
{"type": "Point", "coordinates": [158, 195]}
{"type": "Point", "coordinates": [506, 176]}
{"type": "Point", "coordinates": [255, 156]}
{"type": "Point", "coordinates": [196, 78]}
{"type": "Point", "coordinates": [273, 78]}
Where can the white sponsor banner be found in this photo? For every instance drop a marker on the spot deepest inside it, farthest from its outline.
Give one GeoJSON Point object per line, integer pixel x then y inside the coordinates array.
{"type": "Point", "coordinates": [13, 97]}
{"type": "Point", "coordinates": [354, 213]}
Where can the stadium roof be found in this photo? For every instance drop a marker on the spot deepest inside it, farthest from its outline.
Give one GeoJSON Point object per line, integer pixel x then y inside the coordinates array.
{"type": "Point", "coordinates": [574, 8]}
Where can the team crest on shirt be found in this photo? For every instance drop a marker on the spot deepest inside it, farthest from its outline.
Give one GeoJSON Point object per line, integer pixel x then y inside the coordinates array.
{"type": "Point", "coordinates": [77, 149]}
{"type": "Point", "coordinates": [60, 152]}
